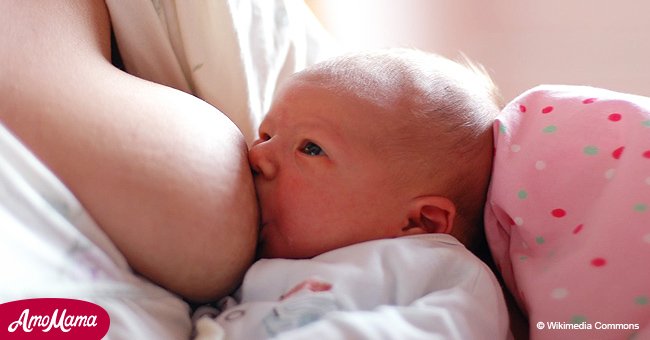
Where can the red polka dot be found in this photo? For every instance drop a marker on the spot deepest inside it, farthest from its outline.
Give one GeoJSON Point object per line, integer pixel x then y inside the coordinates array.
{"type": "Point", "coordinates": [522, 108]}
{"type": "Point", "coordinates": [558, 213]}
{"type": "Point", "coordinates": [615, 117]}
{"type": "Point", "coordinates": [578, 229]}
{"type": "Point", "coordinates": [598, 262]}
{"type": "Point", "coordinates": [589, 100]}
{"type": "Point", "coordinates": [646, 154]}
{"type": "Point", "coordinates": [618, 152]}
{"type": "Point", "coordinates": [547, 109]}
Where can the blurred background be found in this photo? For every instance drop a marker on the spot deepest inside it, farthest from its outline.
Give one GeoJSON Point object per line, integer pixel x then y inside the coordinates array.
{"type": "Point", "coordinates": [521, 43]}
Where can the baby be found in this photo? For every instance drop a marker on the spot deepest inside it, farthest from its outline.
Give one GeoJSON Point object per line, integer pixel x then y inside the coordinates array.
{"type": "Point", "coordinates": [374, 146]}
{"type": "Point", "coordinates": [374, 166]}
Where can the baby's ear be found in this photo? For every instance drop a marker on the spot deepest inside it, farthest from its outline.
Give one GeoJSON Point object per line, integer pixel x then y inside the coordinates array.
{"type": "Point", "coordinates": [430, 214]}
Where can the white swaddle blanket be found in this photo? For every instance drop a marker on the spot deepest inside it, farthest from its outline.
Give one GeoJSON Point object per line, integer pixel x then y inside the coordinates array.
{"type": "Point", "coordinates": [230, 53]}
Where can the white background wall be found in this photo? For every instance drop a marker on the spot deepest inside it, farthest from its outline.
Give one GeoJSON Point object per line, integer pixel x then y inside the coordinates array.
{"type": "Point", "coordinates": [522, 43]}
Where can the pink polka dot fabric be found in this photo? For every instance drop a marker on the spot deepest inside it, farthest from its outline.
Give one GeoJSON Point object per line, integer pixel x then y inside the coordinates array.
{"type": "Point", "coordinates": [568, 211]}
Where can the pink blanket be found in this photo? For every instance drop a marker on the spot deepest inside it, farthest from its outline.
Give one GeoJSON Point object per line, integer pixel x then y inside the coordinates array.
{"type": "Point", "coordinates": [568, 213]}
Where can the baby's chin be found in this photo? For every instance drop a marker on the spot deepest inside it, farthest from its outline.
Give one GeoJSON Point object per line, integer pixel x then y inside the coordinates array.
{"type": "Point", "coordinates": [273, 243]}
{"type": "Point", "coordinates": [270, 248]}
{"type": "Point", "coordinates": [264, 251]}
{"type": "Point", "coordinates": [267, 246]}
{"type": "Point", "coordinates": [270, 244]}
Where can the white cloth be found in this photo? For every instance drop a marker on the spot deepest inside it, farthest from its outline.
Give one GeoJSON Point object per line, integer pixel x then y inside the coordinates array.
{"type": "Point", "coordinates": [50, 247]}
{"type": "Point", "coordinates": [418, 287]}
{"type": "Point", "coordinates": [230, 53]}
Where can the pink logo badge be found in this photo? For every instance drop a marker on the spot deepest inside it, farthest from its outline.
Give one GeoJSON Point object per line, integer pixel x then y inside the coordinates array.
{"type": "Point", "coordinates": [53, 318]}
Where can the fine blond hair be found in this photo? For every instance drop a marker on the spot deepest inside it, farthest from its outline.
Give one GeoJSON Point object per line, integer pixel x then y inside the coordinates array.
{"type": "Point", "coordinates": [443, 137]}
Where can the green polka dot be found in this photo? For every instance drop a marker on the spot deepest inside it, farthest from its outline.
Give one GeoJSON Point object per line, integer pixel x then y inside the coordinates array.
{"type": "Point", "coordinates": [539, 240]}
{"type": "Point", "coordinates": [646, 123]}
{"type": "Point", "coordinates": [523, 258]}
{"type": "Point", "coordinates": [550, 129]}
{"type": "Point", "coordinates": [502, 128]}
{"type": "Point", "coordinates": [641, 300]}
{"type": "Point", "coordinates": [578, 319]}
{"type": "Point", "coordinates": [522, 194]}
{"type": "Point", "coordinates": [590, 150]}
{"type": "Point", "coordinates": [640, 207]}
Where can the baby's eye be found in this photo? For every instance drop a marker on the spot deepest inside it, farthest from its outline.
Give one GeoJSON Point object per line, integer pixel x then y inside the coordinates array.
{"type": "Point", "coordinates": [312, 149]}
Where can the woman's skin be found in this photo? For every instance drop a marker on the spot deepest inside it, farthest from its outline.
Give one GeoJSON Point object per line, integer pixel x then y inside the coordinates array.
{"type": "Point", "coordinates": [163, 173]}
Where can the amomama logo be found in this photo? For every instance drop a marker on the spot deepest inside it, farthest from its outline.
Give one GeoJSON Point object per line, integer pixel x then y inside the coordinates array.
{"type": "Point", "coordinates": [53, 318]}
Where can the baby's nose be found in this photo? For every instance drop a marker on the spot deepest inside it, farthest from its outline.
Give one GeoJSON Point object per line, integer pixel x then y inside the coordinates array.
{"type": "Point", "coordinates": [261, 161]}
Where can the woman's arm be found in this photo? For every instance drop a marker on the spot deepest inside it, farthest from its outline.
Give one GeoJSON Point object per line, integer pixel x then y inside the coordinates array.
{"type": "Point", "coordinates": [162, 172]}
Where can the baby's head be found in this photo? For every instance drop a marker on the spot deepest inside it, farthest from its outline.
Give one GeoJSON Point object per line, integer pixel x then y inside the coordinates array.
{"type": "Point", "coordinates": [374, 145]}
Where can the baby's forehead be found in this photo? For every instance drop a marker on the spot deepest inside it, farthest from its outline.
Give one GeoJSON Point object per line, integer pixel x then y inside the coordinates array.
{"type": "Point", "coordinates": [367, 83]}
